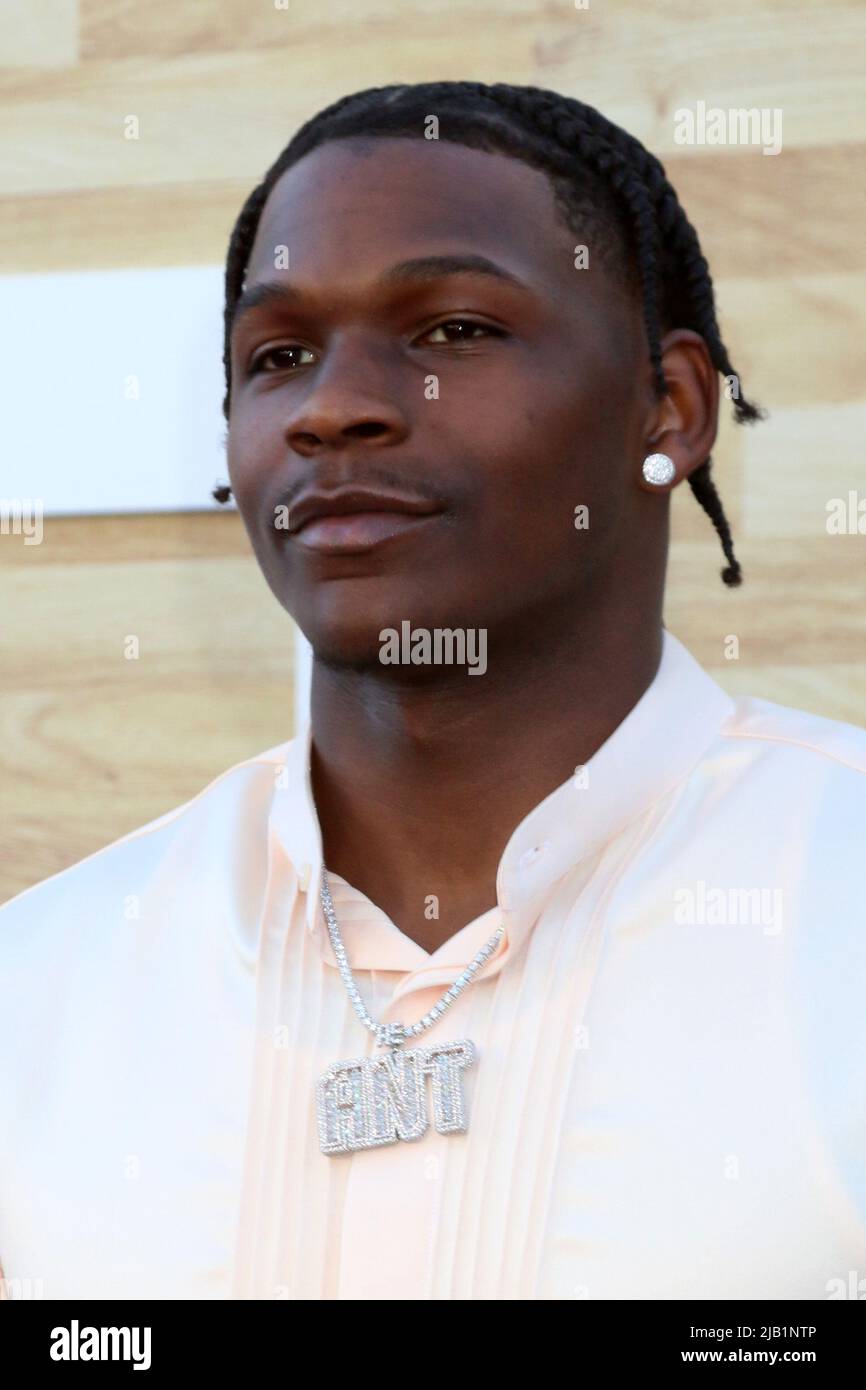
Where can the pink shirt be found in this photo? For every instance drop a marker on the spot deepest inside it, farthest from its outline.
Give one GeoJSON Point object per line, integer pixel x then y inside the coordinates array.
{"type": "Point", "coordinates": [668, 1095]}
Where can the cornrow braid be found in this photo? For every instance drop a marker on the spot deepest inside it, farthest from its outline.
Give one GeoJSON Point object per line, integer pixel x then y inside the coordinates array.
{"type": "Point", "coordinates": [602, 177]}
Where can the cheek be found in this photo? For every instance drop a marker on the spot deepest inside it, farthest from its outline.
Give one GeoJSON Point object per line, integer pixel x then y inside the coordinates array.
{"type": "Point", "coordinates": [253, 458]}
{"type": "Point", "coordinates": [556, 455]}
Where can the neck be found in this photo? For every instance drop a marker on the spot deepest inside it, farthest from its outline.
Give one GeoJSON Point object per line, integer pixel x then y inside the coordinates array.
{"type": "Point", "coordinates": [419, 783]}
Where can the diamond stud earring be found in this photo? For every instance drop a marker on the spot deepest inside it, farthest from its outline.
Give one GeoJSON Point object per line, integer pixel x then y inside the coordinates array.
{"type": "Point", "coordinates": [658, 469]}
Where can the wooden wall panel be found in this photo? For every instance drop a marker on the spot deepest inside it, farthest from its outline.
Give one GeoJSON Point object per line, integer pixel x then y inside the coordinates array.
{"type": "Point", "coordinates": [94, 745]}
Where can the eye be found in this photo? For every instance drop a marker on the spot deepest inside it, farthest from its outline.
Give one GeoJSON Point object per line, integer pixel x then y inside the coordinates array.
{"type": "Point", "coordinates": [256, 365]}
{"type": "Point", "coordinates": [465, 333]}
{"type": "Point", "coordinates": [462, 325]}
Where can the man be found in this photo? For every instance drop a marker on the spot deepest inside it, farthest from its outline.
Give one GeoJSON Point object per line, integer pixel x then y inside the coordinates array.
{"type": "Point", "coordinates": [577, 1009]}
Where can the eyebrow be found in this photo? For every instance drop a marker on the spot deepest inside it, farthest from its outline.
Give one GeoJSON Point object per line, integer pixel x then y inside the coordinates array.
{"type": "Point", "coordinates": [420, 270]}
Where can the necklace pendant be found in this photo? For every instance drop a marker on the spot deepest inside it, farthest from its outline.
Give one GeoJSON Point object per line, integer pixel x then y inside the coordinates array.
{"type": "Point", "coordinates": [370, 1101]}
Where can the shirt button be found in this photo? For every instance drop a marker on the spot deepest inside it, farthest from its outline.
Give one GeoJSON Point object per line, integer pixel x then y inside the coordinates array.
{"type": "Point", "coordinates": [530, 856]}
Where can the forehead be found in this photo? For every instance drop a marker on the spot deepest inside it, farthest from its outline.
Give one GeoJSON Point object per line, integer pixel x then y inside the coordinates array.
{"type": "Point", "coordinates": [374, 199]}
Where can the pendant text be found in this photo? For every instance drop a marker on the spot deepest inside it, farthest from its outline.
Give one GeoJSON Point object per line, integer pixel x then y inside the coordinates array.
{"type": "Point", "coordinates": [370, 1101]}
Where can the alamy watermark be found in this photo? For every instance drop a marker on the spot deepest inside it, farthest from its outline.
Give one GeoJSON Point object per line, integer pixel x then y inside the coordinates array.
{"type": "Point", "coordinates": [846, 518]}
{"type": "Point", "coordinates": [22, 516]}
{"type": "Point", "coordinates": [853, 1287]}
{"type": "Point", "coordinates": [712, 125]}
{"type": "Point", "coordinates": [439, 646]}
{"type": "Point", "coordinates": [77, 1343]}
{"type": "Point", "coordinates": [705, 906]}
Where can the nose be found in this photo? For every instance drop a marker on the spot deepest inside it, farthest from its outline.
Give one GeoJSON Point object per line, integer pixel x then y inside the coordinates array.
{"type": "Point", "coordinates": [351, 396]}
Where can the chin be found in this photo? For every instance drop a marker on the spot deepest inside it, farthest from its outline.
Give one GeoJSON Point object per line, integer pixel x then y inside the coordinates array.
{"type": "Point", "coordinates": [343, 619]}
{"type": "Point", "coordinates": [446, 653]}
{"type": "Point", "coordinates": [341, 635]}
{"type": "Point", "coordinates": [357, 652]}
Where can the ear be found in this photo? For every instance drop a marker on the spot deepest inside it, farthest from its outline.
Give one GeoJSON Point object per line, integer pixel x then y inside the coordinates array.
{"type": "Point", "coordinates": [684, 422]}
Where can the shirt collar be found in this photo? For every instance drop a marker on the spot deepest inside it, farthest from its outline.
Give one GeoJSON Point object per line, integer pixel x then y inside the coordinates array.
{"type": "Point", "coordinates": [651, 750]}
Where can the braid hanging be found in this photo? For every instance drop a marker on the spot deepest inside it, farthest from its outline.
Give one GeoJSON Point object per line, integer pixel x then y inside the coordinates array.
{"type": "Point", "coordinates": [600, 174]}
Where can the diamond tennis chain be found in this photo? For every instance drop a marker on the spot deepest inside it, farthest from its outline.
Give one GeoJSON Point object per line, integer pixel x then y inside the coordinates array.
{"type": "Point", "coordinates": [366, 1102]}
{"type": "Point", "coordinates": [392, 1034]}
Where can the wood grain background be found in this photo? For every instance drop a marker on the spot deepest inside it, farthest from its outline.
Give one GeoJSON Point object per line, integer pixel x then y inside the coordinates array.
{"type": "Point", "coordinates": [93, 744]}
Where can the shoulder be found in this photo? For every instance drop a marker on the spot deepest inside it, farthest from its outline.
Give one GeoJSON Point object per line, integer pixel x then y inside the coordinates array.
{"type": "Point", "coordinates": [784, 793]}
{"type": "Point", "coordinates": [770, 728]}
{"type": "Point", "coordinates": [794, 761]}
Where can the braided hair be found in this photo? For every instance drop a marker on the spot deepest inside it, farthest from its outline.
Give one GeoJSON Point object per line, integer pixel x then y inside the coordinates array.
{"type": "Point", "coordinates": [602, 178]}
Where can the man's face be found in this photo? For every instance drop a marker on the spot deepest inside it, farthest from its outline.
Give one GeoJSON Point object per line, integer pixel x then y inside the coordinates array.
{"type": "Point", "coordinates": [501, 426]}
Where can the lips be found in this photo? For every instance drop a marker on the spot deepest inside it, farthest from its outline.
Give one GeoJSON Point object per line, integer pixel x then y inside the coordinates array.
{"type": "Point", "coordinates": [350, 501]}
{"type": "Point", "coordinates": [353, 520]}
{"type": "Point", "coordinates": [358, 531]}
